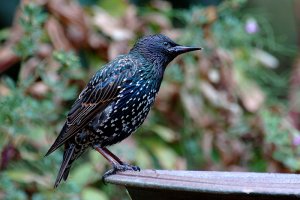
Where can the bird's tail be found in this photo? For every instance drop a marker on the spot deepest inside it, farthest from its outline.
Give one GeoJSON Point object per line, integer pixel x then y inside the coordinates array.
{"type": "Point", "coordinates": [68, 159]}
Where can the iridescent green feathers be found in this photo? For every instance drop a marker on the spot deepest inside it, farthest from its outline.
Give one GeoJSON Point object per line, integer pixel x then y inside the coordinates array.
{"type": "Point", "coordinates": [103, 88]}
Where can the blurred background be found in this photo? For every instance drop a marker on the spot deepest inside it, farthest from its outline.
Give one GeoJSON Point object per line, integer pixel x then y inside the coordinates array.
{"type": "Point", "coordinates": [233, 107]}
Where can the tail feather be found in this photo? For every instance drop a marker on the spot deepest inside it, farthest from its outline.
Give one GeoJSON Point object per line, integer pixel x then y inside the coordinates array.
{"type": "Point", "coordinates": [66, 164]}
{"type": "Point", "coordinates": [55, 144]}
{"type": "Point", "coordinates": [66, 173]}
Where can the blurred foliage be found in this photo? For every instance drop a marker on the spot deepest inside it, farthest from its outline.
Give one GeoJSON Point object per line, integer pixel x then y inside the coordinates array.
{"type": "Point", "coordinates": [31, 21]}
{"type": "Point", "coordinates": [227, 108]}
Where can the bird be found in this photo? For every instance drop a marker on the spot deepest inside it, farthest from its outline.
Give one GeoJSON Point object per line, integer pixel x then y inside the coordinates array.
{"type": "Point", "coordinates": [115, 102]}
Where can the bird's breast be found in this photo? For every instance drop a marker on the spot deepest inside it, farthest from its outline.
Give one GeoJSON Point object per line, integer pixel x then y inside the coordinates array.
{"type": "Point", "coordinates": [126, 114]}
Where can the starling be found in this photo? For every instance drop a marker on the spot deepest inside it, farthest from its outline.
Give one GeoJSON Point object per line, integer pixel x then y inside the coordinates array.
{"type": "Point", "coordinates": [116, 102]}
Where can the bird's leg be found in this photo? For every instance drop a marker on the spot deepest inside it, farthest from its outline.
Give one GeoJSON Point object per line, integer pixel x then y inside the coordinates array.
{"type": "Point", "coordinates": [111, 159]}
{"type": "Point", "coordinates": [123, 164]}
{"type": "Point", "coordinates": [117, 164]}
{"type": "Point", "coordinates": [112, 155]}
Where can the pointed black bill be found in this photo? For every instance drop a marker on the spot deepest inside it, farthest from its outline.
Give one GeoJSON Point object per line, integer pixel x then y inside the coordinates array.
{"type": "Point", "coordinates": [183, 49]}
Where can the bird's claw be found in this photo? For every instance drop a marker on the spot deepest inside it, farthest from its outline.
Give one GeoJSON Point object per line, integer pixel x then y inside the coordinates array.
{"type": "Point", "coordinates": [119, 168]}
{"type": "Point", "coordinates": [125, 167]}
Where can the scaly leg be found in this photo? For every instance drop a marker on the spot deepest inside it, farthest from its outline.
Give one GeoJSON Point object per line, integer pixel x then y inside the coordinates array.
{"type": "Point", "coordinates": [117, 164]}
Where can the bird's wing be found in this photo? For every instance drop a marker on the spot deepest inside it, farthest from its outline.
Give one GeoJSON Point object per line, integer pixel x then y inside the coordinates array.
{"type": "Point", "coordinates": [102, 89]}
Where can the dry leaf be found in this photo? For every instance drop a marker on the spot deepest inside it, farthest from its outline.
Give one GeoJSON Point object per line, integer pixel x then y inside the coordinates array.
{"type": "Point", "coordinates": [4, 91]}
{"type": "Point", "coordinates": [161, 5]}
{"type": "Point", "coordinates": [38, 90]}
{"type": "Point", "coordinates": [110, 26]}
{"type": "Point", "coordinates": [29, 68]}
{"type": "Point", "coordinates": [251, 96]}
{"type": "Point", "coordinates": [294, 95]}
{"type": "Point", "coordinates": [266, 59]}
{"type": "Point", "coordinates": [158, 19]}
{"type": "Point", "coordinates": [117, 48]}
{"type": "Point", "coordinates": [57, 36]}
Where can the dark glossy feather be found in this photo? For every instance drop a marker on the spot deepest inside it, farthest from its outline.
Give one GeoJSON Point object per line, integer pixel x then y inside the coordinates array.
{"type": "Point", "coordinates": [69, 151]}
{"type": "Point", "coordinates": [102, 89]}
{"type": "Point", "coordinates": [115, 102]}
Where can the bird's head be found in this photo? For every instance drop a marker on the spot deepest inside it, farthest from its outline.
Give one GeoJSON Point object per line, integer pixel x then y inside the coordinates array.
{"type": "Point", "coordinates": [160, 49]}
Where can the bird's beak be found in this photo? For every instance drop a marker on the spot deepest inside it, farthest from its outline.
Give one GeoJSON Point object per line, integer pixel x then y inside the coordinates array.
{"type": "Point", "coordinates": [183, 49]}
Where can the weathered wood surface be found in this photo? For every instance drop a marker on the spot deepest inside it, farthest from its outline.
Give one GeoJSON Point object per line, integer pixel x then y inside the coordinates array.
{"type": "Point", "coordinates": [163, 184]}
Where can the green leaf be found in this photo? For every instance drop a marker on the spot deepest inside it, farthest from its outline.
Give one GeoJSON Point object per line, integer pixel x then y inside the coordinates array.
{"type": "Point", "coordinates": [114, 7]}
{"type": "Point", "coordinates": [92, 193]}
{"type": "Point", "coordinates": [165, 133]}
{"type": "Point", "coordinates": [83, 174]}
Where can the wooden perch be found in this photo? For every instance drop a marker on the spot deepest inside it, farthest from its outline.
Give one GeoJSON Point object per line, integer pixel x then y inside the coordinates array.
{"type": "Point", "coordinates": [163, 184]}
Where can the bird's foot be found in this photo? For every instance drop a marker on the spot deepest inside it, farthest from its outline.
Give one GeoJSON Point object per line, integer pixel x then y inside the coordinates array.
{"type": "Point", "coordinates": [120, 168]}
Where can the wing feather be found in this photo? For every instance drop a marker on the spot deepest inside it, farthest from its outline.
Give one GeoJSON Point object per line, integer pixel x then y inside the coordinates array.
{"type": "Point", "coordinates": [98, 94]}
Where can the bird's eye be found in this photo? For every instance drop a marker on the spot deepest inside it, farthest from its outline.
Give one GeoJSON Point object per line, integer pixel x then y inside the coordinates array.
{"type": "Point", "coordinates": [166, 44]}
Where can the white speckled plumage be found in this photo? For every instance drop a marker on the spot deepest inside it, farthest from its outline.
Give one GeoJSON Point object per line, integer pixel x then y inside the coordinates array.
{"type": "Point", "coordinates": [116, 101]}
